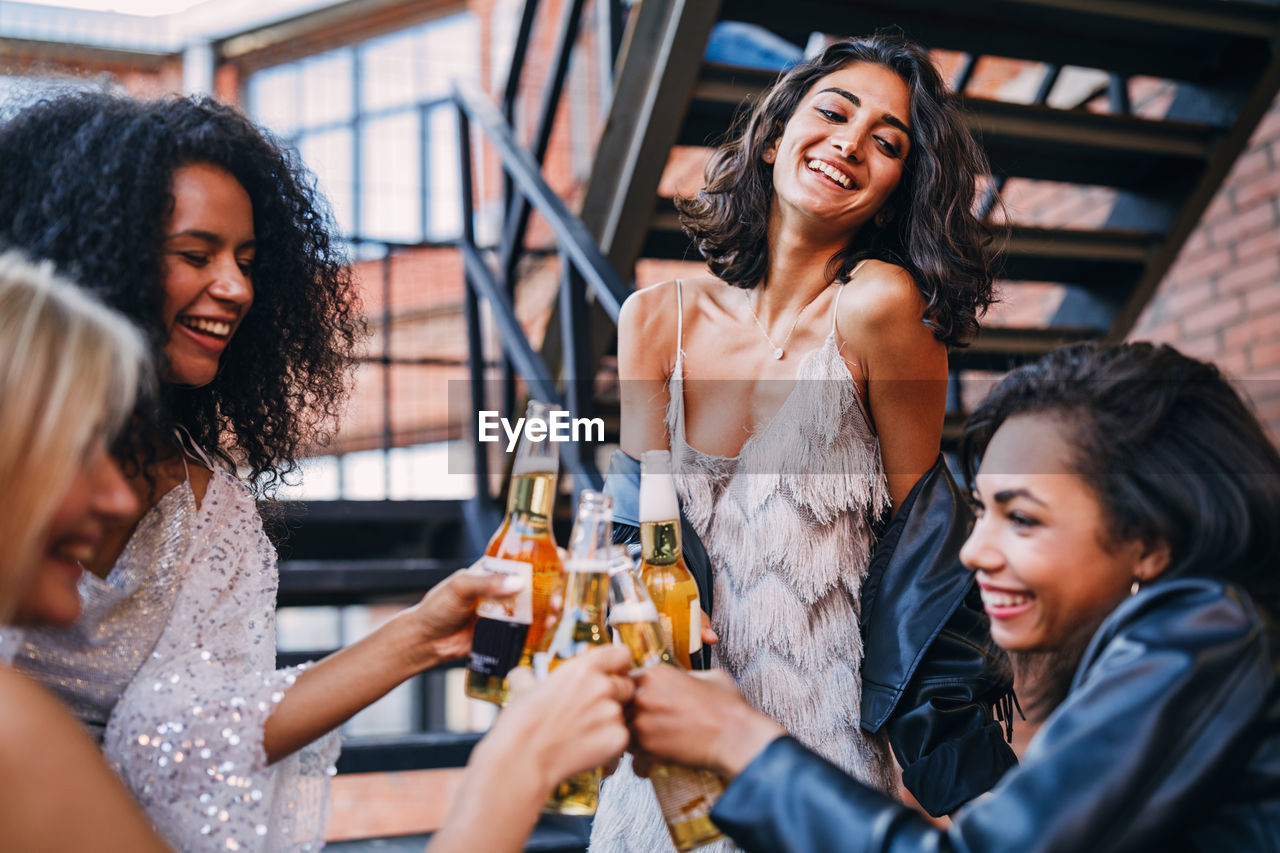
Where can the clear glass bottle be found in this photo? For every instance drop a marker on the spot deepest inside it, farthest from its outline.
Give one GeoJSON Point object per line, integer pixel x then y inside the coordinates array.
{"type": "Point", "coordinates": [507, 633]}
{"type": "Point", "coordinates": [581, 626]}
{"type": "Point", "coordinates": [684, 794]}
{"type": "Point", "coordinates": [662, 568]}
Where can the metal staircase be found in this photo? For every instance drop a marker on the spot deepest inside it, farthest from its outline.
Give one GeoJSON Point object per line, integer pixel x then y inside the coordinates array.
{"type": "Point", "coordinates": [1161, 172]}
{"type": "Point", "coordinates": [1220, 55]}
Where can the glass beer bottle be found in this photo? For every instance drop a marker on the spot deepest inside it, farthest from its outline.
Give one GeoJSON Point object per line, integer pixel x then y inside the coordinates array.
{"type": "Point", "coordinates": [671, 586]}
{"type": "Point", "coordinates": [684, 794]}
{"type": "Point", "coordinates": [507, 633]}
{"type": "Point", "coordinates": [581, 626]}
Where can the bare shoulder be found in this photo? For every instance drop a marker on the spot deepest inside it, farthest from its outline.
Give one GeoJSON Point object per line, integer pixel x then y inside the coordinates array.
{"type": "Point", "coordinates": [32, 715]}
{"type": "Point", "coordinates": [881, 319]}
{"type": "Point", "coordinates": [649, 319]}
{"type": "Point", "coordinates": [881, 293]}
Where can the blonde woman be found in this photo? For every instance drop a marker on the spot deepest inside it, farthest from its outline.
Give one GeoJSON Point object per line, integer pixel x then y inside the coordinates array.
{"type": "Point", "coordinates": [68, 373]}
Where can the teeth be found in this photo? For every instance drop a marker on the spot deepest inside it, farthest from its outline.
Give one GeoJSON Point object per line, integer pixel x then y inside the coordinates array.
{"type": "Point", "coordinates": [831, 172]}
{"type": "Point", "coordinates": [210, 327]}
{"type": "Point", "coordinates": [74, 553]}
{"type": "Point", "coordinates": [1004, 599]}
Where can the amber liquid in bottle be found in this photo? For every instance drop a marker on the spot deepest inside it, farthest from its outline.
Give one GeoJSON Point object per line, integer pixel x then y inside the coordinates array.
{"type": "Point", "coordinates": [685, 795]}
{"type": "Point", "coordinates": [672, 588]}
{"type": "Point", "coordinates": [581, 626]}
{"type": "Point", "coordinates": [508, 632]}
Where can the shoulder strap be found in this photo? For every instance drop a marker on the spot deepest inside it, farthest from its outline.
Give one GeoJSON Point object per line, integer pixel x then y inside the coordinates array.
{"type": "Point", "coordinates": [679, 315]}
{"type": "Point", "coordinates": [835, 309]}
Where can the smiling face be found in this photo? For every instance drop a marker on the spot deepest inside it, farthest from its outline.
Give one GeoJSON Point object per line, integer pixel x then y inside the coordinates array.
{"type": "Point", "coordinates": [208, 255]}
{"type": "Point", "coordinates": [1040, 545]}
{"type": "Point", "coordinates": [841, 154]}
{"type": "Point", "coordinates": [96, 497]}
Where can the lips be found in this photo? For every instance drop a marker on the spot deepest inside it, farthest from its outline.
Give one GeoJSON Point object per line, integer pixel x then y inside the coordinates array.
{"type": "Point", "coordinates": [1001, 603]}
{"type": "Point", "coordinates": [220, 329]}
{"type": "Point", "coordinates": [835, 173]}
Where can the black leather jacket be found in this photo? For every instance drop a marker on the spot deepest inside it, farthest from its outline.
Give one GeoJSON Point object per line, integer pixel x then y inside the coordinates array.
{"type": "Point", "coordinates": [930, 673]}
{"type": "Point", "coordinates": [1168, 740]}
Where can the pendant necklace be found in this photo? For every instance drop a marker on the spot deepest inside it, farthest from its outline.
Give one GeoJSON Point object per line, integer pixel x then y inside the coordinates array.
{"type": "Point", "coordinates": [778, 350]}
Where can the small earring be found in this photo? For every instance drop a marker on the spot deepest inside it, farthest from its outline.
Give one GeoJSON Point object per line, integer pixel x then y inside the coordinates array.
{"type": "Point", "coordinates": [1135, 586]}
{"type": "Point", "coordinates": [768, 156]}
{"type": "Point", "coordinates": [882, 219]}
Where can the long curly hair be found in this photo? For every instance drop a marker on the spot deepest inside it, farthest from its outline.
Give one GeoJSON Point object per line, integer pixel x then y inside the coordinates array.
{"type": "Point", "coordinates": [86, 181]}
{"type": "Point", "coordinates": [934, 233]}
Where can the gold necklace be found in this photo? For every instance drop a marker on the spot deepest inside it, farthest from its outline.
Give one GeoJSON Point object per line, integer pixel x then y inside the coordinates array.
{"type": "Point", "coordinates": [778, 351]}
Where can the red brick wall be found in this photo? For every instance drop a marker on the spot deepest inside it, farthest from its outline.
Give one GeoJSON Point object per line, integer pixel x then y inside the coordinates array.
{"type": "Point", "coordinates": [1221, 299]}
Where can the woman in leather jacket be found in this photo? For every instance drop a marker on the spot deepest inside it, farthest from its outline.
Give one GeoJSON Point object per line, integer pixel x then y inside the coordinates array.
{"type": "Point", "coordinates": [1126, 550]}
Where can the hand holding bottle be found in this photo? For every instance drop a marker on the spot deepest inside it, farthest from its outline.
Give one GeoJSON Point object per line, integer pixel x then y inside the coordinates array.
{"type": "Point", "coordinates": [697, 719]}
{"type": "Point", "coordinates": [446, 616]}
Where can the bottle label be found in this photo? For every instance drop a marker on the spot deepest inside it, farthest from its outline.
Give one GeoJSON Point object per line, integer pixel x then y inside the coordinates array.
{"type": "Point", "coordinates": [501, 626]}
{"type": "Point", "coordinates": [518, 608]}
{"type": "Point", "coordinates": [695, 627]}
{"type": "Point", "coordinates": [684, 794]}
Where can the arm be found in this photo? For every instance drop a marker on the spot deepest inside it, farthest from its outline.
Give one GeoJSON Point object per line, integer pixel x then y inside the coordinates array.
{"type": "Point", "coordinates": [570, 722]}
{"type": "Point", "coordinates": [933, 687]}
{"type": "Point", "coordinates": [1164, 706]}
{"type": "Point", "coordinates": [646, 347]}
{"type": "Point", "coordinates": [434, 631]}
{"type": "Point", "coordinates": [904, 368]}
{"type": "Point", "coordinates": [58, 792]}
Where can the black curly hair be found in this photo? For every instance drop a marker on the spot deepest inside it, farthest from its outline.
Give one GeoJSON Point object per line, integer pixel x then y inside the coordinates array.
{"type": "Point", "coordinates": [86, 181]}
{"type": "Point", "coordinates": [933, 234]}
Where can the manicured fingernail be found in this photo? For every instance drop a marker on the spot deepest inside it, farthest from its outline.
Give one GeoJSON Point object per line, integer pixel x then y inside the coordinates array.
{"type": "Point", "coordinates": [511, 584]}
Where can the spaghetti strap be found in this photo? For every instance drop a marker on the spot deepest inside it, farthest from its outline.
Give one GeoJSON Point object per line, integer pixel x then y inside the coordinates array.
{"type": "Point", "coordinates": [679, 316]}
{"type": "Point", "coordinates": [835, 309]}
{"type": "Point", "coordinates": [189, 446]}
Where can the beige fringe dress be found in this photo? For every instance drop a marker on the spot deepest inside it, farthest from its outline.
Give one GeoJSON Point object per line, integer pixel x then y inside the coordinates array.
{"type": "Point", "coordinates": [787, 525]}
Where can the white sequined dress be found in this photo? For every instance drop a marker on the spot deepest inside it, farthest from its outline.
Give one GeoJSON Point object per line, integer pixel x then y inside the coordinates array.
{"type": "Point", "coordinates": [787, 526]}
{"type": "Point", "coordinates": [172, 667]}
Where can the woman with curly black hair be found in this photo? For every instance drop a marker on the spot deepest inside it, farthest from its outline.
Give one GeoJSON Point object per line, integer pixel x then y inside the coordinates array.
{"type": "Point", "coordinates": [199, 227]}
{"type": "Point", "coordinates": [801, 388]}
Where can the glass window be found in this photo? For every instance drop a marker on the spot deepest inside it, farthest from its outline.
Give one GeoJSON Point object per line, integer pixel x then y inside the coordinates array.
{"type": "Point", "coordinates": [405, 175]}
{"type": "Point", "coordinates": [391, 178]}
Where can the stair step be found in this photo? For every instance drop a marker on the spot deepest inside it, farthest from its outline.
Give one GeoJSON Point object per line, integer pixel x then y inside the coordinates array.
{"type": "Point", "coordinates": [419, 751]}
{"type": "Point", "coordinates": [1021, 140]}
{"type": "Point", "coordinates": [355, 530]}
{"type": "Point", "coordinates": [1200, 41]}
{"type": "Point", "coordinates": [1110, 260]}
{"type": "Point", "coordinates": [345, 581]}
{"type": "Point", "coordinates": [1000, 348]}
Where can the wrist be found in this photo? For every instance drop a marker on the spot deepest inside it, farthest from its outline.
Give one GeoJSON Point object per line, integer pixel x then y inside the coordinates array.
{"type": "Point", "coordinates": [744, 735]}
{"type": "Point", "coordinates": [412, 647]}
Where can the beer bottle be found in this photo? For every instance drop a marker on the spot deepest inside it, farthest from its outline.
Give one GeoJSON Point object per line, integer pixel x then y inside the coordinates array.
{"type": "Point", "coordinates": [671, 586]}
{"type": "Point", "coordinates": [581, 625]}
{"type": "Point", "coordinates": [507, 633]}
{"type": "Point", "coordinates": [684, 794]}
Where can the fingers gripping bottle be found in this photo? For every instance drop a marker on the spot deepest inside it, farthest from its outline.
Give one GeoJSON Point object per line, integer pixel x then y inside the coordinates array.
{"type": "Point", "coordinates": [671, 586]}
{"type": "Point", "coordinates": [507, 633]}
{"type": "Point", "coordinates": [581, 626]}
{"type": "Point", "coordinates": [684, 794]}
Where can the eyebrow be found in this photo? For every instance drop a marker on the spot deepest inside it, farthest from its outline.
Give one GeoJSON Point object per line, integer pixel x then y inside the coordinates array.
{"type": "Point", "coordinates": [210, 237]}
{"type": "Point", "coordinates": [889, 118]}
{"type": "Point", "coordinates": [1005, 495]}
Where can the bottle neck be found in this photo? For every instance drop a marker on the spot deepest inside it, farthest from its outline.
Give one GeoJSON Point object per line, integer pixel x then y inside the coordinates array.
{"type": "Point", "coordinates": [660, 542]}
{"type": "Point", "coordinates": [532, 496]}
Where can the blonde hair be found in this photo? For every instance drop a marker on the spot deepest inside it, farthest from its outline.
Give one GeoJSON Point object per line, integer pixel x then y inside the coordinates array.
{"type": "Point", "coordinates": [70, 370]}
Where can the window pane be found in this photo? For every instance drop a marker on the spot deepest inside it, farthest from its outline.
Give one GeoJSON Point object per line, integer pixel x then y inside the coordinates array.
{"type": "Point", "coordinates": [329, 156]}
{"type": "Point", "coordinates": [445, 217]}
{"type": "Point", "coordinates": [451, 49]}
{"type": "Point", "coordinates": [388, 71]}
{"type": "Point", "coordinates": [273, 99]}
{"type": "Point", "coordinates": [391, 178]}
{"type": "Point", "coordinates": [327, 94]}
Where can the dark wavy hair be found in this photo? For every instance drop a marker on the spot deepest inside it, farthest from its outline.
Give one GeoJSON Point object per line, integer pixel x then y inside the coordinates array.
{"type": "Point", "coordinates": [1171, 451]}
{"type": "Point", "coordinates": [86, 181]}
{"type": "Point", "coordinates": [933, 234]}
